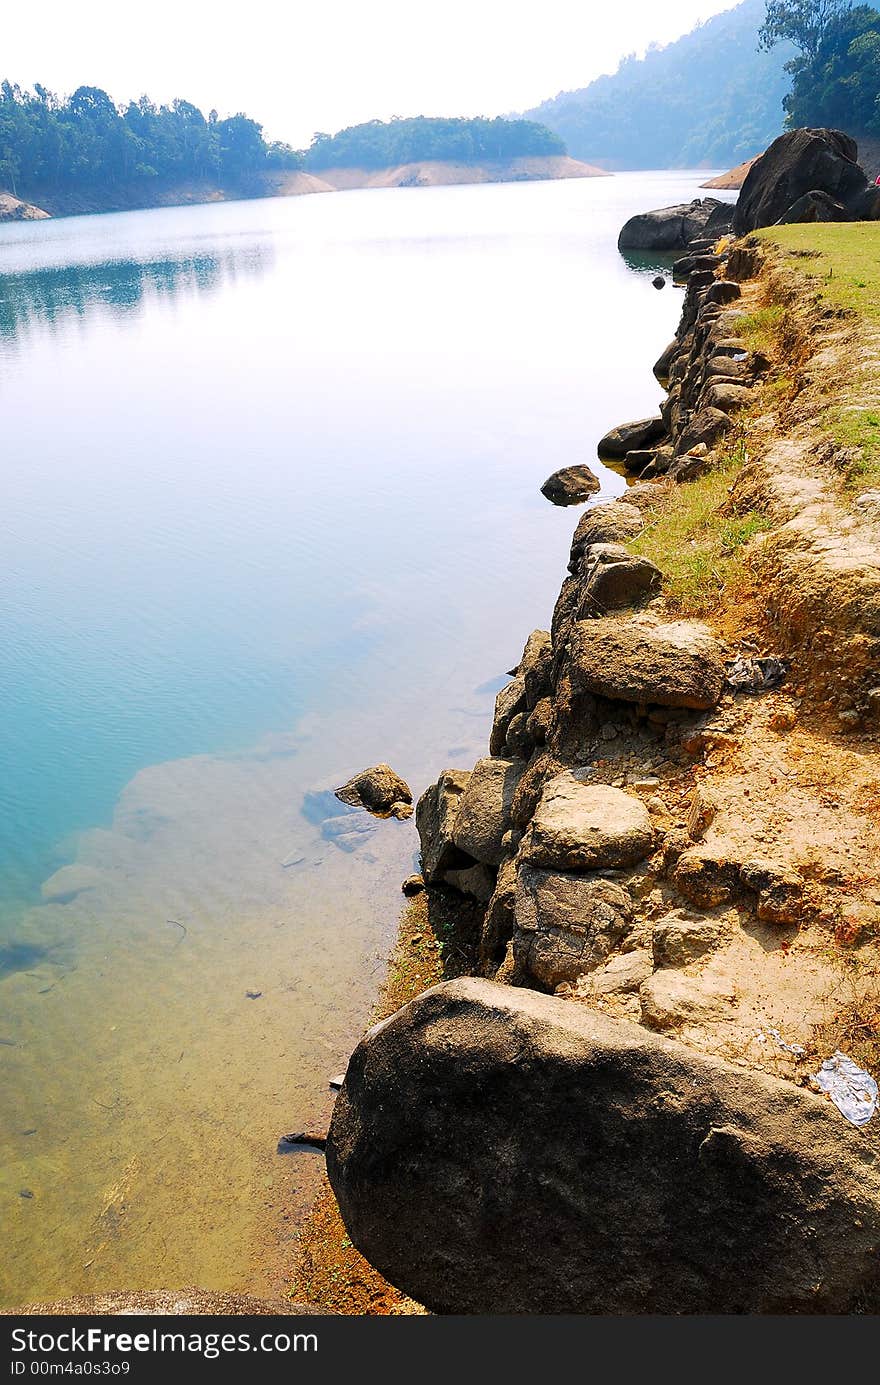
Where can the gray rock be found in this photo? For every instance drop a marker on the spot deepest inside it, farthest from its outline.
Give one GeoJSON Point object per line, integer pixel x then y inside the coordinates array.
{"type": "Point", "coordinates": [707, 425]}
{"type": "Point", "coordinates": [678, 664]}
{"type": "Point", "coordinates": [484, 811]}
{"type": "Point", "coordinates": [612, 523]}
{"type": "Point", "coordinates": [706, 878]}
{"type": "Point", "coordinates": [669, 228]}
{"type": "Point", "coordinates": [630, 437]}
{"type": "Point", "coordinates": [380, 790]}
{"type": "Point", "coordinates": [477, 881]}
{"type": "Point", "coordinates": [436, 812]}
{"type": "Point", "coordinates": [565, 924]}
{"type": "Point", "coordinates": [583, 1164]}
{"type": "Point", "coordinates": [536, 667]}
{"type": "Point", "coordinates": [782, 898]}
{"type": "Point", "coordinates": [723, 291]}
{"type": "Point", "coordinates": [726, 397]}
{"type": "Point", "coordinates": [678, 941]}
{"type": "Point", "coordinates": [670, 1000]}
{"type": "Point", "coordinates": [635, 463]}
{"type": "Point", "coordinates": [612, 579]}
{"type": "Point", "coordinates": [798, 162]}
{"type": "Point", "coordinates": [511, 700]}
{"type": "Point", "coordinates": [579, 826]}
{"type": "Point", "coordinates": [814, 206]}
{"type": "Point", "coordinates": [539, 722]}
{"type": "Point", "coordinates": [620, 975]}
{"type": "Point", "coordinates": [572, 485]}
{"type": "Point", "coordinates": [497, 929]}
{"type": "Point", "coordinates": [664, 361]}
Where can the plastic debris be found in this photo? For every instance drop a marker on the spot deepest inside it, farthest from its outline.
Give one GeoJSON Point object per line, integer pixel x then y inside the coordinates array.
{"type": "Point", "coordinates": [796, 1049]}
{"type": "Point", "coordinates": [853, 1091]}
{"type": "Point", "coordinates": [755, 675]}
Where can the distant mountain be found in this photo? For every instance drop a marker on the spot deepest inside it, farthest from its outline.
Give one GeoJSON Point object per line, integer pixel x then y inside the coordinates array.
{"type": "Point", "coordinates": [707, 100]}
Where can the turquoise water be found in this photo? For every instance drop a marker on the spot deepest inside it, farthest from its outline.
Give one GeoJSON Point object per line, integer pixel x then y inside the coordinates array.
{"type": "Point", "coordinates": [270, 513]}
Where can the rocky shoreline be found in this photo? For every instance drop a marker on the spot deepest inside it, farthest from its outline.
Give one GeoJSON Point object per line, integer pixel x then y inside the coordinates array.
{"type": "Point", "coordinates": [671, 843]}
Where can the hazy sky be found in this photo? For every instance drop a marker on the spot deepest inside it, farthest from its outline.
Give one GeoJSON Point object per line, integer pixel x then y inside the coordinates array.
{"type": "Point", "coordinates": [319, 66]}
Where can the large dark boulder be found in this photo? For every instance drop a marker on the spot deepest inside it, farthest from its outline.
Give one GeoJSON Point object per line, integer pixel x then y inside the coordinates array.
{"type": "Point", "coordinates": [494, 1150]}
{"type": "Point", "coordinates": [814, 206]}
{"type": "Point", "coordinates": [673, 228]}
{"type": "Point", "coordinates": [630, 437]}
{"type": "Point", "coordinates": [796, 163]}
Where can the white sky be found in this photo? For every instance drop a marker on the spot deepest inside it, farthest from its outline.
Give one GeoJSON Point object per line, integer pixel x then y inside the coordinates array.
{"type": "Point", "coordinates": [319, 66]}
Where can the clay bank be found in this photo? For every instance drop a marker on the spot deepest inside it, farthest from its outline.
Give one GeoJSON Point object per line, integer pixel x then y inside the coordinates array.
{"type": "Point", "coordinates": [667, 857]}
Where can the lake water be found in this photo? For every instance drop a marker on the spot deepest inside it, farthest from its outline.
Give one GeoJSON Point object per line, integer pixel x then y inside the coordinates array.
{"type": "Point", "coordinates": [270, 514]}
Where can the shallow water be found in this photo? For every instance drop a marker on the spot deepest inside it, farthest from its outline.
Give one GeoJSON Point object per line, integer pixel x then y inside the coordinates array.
{"type": "Point", "coordinates": [270, 514]}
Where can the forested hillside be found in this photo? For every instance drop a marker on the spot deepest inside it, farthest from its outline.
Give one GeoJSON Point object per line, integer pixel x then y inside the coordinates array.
{"type": "Point", "coordinates": [86, 141]}
{"type": "Point", "coordinates": [384, 144]}
{"type": "Point", "coordinates": [709, 99]}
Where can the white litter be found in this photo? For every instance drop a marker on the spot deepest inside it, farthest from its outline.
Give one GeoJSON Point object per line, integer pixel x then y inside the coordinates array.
{"type": "Point", "coordinates": [796, 1049]}
{"type": "Point", "coordinates": [853, 1091]}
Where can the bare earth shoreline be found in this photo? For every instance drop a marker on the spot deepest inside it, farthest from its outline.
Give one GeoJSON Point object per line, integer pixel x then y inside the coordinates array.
{"type": "Point", "coordinates": [291, 183]}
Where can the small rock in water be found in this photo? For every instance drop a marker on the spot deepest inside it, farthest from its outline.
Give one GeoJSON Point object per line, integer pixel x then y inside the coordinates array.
{"type": "Point", "coordinates": [412, 885]}
{"type": "Point", "coordinates": [312, 1139]}
{"type": "Point", "coordinates": [570, 486]}
{"type": "Point", "coordinates": [380, 790]}
{"type": "Point", "coordinates": [659, 282]}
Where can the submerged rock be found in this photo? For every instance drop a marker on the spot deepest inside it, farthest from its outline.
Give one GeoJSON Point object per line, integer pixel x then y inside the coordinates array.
{"type": "Point", "coordinates": [583, 1164]}
{"type": "Point", "coordinates": [570, 486]}
{"type": "Point", "coordinates": [380, 790]}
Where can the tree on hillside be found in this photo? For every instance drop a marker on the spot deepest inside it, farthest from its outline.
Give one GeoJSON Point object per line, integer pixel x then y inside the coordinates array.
{"type": "Point", "coordinates": [49, 144]}
{"type": "Point", "coordinates": [836, 73]}
{"type": "Point", "coordinates": [802, 22]}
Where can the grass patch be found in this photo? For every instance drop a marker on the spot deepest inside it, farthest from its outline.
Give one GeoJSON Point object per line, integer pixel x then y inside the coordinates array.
{"type": "Point", "coordinates": [761, 329]}
{"type": "Point", "coordinates": [858, 430]}
{"type": "Point", "coordinates": [842, 261]}
{"type": "Point", "coordinates": [698, 538]}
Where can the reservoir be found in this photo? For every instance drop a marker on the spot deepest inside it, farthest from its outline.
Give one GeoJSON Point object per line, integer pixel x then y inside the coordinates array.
{"type": "Point", "coordinates": [270, 514]}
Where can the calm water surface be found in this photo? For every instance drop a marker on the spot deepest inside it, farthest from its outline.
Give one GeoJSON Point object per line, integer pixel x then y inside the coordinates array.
{"type": "Point", "coordinates": [270, 513]}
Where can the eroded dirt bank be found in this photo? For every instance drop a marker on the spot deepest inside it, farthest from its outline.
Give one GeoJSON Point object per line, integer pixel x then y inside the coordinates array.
{"type": "Point", "coordinates": [676, 828]}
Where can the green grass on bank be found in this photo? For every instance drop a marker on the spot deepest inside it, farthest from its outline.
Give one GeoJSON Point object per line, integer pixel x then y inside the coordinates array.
{"type": "Point", "coordinates": [698, 539]}
{"type": "Point", "coordinates": [843, 262]}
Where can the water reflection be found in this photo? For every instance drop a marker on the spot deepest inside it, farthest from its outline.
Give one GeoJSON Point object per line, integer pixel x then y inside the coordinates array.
{"type": "Point", "coordinates": [57, 293]}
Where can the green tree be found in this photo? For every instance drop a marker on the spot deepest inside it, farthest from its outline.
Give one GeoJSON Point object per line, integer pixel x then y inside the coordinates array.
{"type": "Point", "coordinates": [801, 22]}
